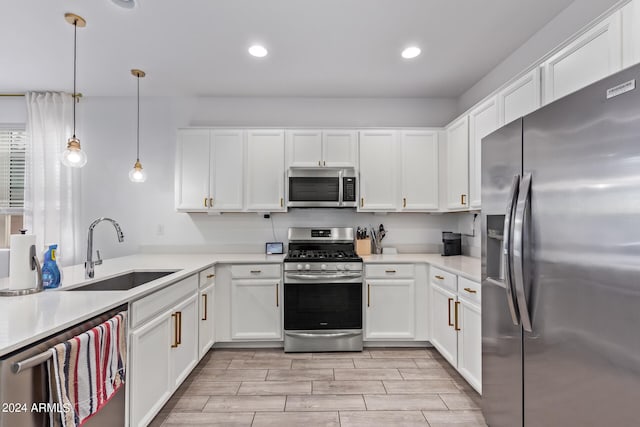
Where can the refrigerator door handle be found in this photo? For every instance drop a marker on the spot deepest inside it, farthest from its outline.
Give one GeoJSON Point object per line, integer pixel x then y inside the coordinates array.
{"type": "Point", "coordinates": [507, 246]}
{"type": "Point", "coordinates": [522, 207]}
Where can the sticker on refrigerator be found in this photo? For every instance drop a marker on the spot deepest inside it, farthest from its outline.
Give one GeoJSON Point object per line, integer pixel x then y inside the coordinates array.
{"type": "Point", "coordinates": [622, 88]}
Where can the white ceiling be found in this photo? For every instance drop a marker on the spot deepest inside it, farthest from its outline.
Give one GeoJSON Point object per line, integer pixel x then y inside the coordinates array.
{"type": "Point", "coordinates": [317, 48]}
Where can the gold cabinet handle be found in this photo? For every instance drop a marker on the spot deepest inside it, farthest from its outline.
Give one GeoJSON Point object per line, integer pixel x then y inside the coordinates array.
{"type": "Point", "coordinates": [324, 163]}
{"type": "Point", "coordinates": [205, 202]}
{"type": "Point", "coordinates": [389, 271]}
{"type": "Point", "coordinates": [256, 271]}
{"type": "Point", "coordinates": [210, 276]}
{"type": "Point", "coordinates": [368, 295]}
{"type": "Point", "coordinates": [277, 294]}
{"type": "Point", "coordinates": [439, 277]}
{"type": "Point", "coordinates": [179, 313]}
{"type": "Point", "coordinates": [449, 311]}
{"type": "Point", "coordinates": [462, 196]}
{"type": "Point", "coordinates": [404, 202]}
{"type": "Point", "coordinates": [281, 202]}
{"type": "Point", "coordinates": [210, 202]}
{"type": "Point", "coordinates": [204, 297]}
{"type": "Point", "coordinates": [456, 327]}
{"type": "Point", "coordinates": [175, 330]}
{"type": "Point", "coordinates": [471, 291]}
{"type": "Point", "coordinates": [362, 202]}
{"type": "Point", "coordinates": [319, 162]}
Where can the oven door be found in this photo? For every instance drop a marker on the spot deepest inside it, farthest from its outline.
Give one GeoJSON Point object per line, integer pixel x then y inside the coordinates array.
{"type": "Point", "coordinates": [322, 306]}
{"type": "Point", "coordinates": [314, 191]}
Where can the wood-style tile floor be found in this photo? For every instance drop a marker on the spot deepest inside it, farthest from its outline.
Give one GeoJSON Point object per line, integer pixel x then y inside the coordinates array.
{"type": "Point", "coordinates": [377, 387]}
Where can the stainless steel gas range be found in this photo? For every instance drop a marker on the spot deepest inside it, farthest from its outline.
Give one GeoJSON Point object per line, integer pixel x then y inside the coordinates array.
{"type": "Point", "coordinates": [322, 291]}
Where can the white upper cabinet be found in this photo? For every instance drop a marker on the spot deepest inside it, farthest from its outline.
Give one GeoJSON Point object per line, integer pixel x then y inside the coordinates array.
{"type": "Point", "coordinates": [193, 182]}
{"type": "Point", "coordinates": [419, 169]}
{"type": "Point", "coordinates": [265, 170]}
{"type": "Point", "coordinates": [227, 171]}
{"type": "Point", "coordinates": [592, 56]}
{"type": "Point", "coordinates": [340, 148]}
{"type": "Point", "coordinates": [520, 98]}
{"type": "Point", "coordinates": [631, 33]}
{"type": "Point", "coordinates": [321, 148]}
{"type": "Point", "coordinates": [458, 164]}
{"type": "Point", "coordinates": [482, 121]}
{"type": "Point", "coordinates": [378, 160]}
{"type": "Point", "coordinates": [304, 148]}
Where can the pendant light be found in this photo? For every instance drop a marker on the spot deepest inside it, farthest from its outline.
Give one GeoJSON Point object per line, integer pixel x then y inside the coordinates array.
{"type": "Point", "coordinates": [73, 156]}
{"type": "Point", "coordinates": [137, 174]}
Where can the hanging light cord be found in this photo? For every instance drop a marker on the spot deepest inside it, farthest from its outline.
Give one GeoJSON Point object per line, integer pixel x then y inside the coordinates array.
{"type": "Point", "coordinates": [75, 38]}
{"type": "Point", "coordinates": [138, 123]}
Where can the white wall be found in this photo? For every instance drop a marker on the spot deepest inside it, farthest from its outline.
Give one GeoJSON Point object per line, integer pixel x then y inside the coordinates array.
{"type": "Point", "coordinates": [570, 21]}
{"type": "Point", "coordinates": [146, 212]}
{"type": "Point", "coordinates": [13, 110]}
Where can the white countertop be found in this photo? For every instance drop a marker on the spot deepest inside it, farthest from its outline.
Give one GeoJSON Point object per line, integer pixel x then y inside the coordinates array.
{"type": "Point", "coordinates": [27, 319]}
{"type": "Point", "coordinates": [464, 266]}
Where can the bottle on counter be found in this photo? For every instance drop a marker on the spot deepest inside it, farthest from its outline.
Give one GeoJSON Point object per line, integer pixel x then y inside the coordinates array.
{"type": "Point", "coordinates": [50, 270]}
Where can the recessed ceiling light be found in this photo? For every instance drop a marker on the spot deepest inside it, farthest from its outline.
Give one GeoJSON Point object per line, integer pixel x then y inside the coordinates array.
{"type": "Point", "coordinates": [411, 52]}
{"type": "Point", "coordinates": [127, 4]}
{"type": "Point", "coordinates": [258, 51]}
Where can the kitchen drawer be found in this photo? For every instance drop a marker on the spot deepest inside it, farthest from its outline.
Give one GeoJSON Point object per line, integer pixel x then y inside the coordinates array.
{"type": "Point", "coordinates": [257, 271]}
{"type": "Point", "coordinates": [207, 277]}
{"type": "Point", "coordinates": [444, 278]}
{"type": "Point", "coordinates": [151, 305]}
{"type": "Point", "coordinates": [469, 290]}
{"type": "Point", "coordinates": [384, 271]}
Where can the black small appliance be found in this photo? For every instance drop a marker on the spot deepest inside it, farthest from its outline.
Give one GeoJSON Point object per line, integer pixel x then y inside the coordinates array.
{"type": "Point", "coordinates": [451, 243]}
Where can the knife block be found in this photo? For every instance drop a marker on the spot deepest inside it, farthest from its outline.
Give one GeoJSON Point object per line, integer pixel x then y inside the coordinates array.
{"type": "Point", "coordinates": [363, 247]}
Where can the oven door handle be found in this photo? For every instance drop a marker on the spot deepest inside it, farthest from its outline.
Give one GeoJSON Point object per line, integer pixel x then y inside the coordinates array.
{"type": "Point", "coordinates": [322, 276]}
{"type": "Point", "coordinates": [322, 335]}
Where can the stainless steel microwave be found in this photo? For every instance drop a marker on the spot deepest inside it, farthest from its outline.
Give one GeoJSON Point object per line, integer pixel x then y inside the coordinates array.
{"type": "Point", "coordinates": [322, 188]}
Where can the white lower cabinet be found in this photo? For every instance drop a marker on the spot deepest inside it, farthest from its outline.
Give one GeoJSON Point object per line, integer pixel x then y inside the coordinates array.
{"type": "Point", "coordinates": [456, 323]}
{"type": "Point", "coordinates": [390, 311]}
{"type": "Point", "coordinates": [255, 309]}
{"type": "Point", "coordinates": [206, 329]}
{"type": "Point", "coordinates": [163, 347]}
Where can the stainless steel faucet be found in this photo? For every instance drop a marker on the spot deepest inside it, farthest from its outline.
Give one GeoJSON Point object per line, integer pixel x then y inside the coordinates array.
{"type": "Point", "coordinates": [89, 263]}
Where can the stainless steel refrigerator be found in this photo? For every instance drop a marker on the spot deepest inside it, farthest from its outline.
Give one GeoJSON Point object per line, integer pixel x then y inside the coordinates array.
{"type": "Point", "coordinates": [561, 262]}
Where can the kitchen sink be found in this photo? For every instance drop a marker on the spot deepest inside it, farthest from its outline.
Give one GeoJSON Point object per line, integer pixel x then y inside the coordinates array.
{"type": "Point", "coordinates": [124, 281]}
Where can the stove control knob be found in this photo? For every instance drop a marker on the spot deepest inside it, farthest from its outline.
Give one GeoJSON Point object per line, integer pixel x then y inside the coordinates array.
{"type": "Point", "coordinates": [323, 267]}
{"type": "Point", "coordinates": [299, 266]}
{"type": "Point", "coordinates": [307, 267]}
{"type": "Point", "coordinates": [339, 267]}
{"type": "Point", "coordinates": [347, 267]}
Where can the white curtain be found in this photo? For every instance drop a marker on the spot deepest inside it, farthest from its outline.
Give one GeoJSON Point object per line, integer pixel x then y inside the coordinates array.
{"type": "Point", "coordinates": [51, 190]}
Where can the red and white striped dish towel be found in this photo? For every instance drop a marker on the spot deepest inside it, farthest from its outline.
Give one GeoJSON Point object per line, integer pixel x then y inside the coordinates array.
{"type": "Point", "coordinates": [86, 371]}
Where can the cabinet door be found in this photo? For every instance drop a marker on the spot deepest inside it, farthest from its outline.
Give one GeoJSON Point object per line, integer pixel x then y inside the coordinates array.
{"type": "Point", "coordinates": [184, 357]}
{"type": "Point", "coordinates": [265, 170]}
{"type": "Point", "coordinates": [470, 343]}
{"type": "Point", "coordinates": [255, 309]}
{"type": "Point", "coordinates": [520, 97]}
{"type": "Point", "coordinates": [630, 33]}
{"type": "Point", "coordinates": [482, 121]}
{"type": "Point", "coordinates": [149, 374]}
{"type": "Point", "coordinates": [378, 160]}
{"type": "Point", "coordinates": [390, 311]}
{"type": "Point", "coordinates": [192, 170]}
{"type": "Point", "coordinates": [458, 164]}
{"type": "Point", "coordinates": [419, 170]}
{"type": "Point", "coordinates": [443, 333]}
{"type": "Point", "coordinates": [594, 55]}
{"type": "Point", "coordinates": [206, 328]}
{"type": "Point", "coordinates": [339, 148]}
{"type": "Point", "coordinates": [304, 148]}
{"type": "Point", "coordinates": [227, 170]}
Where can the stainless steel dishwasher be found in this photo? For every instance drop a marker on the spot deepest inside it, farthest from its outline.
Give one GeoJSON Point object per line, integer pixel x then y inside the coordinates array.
{"type": "Point", "coordinates": [23, 383]}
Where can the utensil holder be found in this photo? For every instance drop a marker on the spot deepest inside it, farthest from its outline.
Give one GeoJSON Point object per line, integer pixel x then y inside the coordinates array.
{"type": "Point", "coordinates": [363, 247]}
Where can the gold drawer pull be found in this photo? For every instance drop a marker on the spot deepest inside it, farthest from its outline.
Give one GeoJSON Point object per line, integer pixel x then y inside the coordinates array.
{"type": "Point", "coordinates": [368, 295]}
{"type": "Point", "coordinates": [462, 196]}
{"type": "Point", "coordinates": [404, 202]}
{"type": "Point", "coordinates": [449, 311]}
{"type": "Point", "coordinates": [210, 276]}
{"type": "Point", "coordinates": [471, 291]}
{"type": "Point", "coordinates": [281, 202]}
{"type": "Point", "coordinates": [439, 277]}
{"type": "Point", "coordinates": [319, 162]}
{"type": "Point", "coordinates": [211, 202]}
{"type": "Point", "coordinates": [179, 313]}
{"type": "Point", "coordinates": [205, 202]}
{"type": "Point", "coordinates": [362, 202]}
{"type": "Point", "coordinates": [204, 317]}
{"type": "Point", "coordinates": [389, 271]}
{"type": "Point", "coordinates": [175, 330]}
{"type": "Point", "coordinates": [277, 294]}
{"type": "Point", "coordinates": [256, 271]}
{"type": "Point", "coordinates": [324, 163]}
{"type": "Point", "coordinates": [456, 327]}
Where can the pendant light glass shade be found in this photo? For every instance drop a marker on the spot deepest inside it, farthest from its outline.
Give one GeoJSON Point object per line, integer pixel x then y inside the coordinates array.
{"type": "Point", "coordinates": [137, 174]}
{"type": "Point", "coordinates": [73, 156]}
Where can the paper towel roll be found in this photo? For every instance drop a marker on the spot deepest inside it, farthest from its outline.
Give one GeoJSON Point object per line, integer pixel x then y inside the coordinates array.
{"type": "Point", "coordinates": [21, 276]}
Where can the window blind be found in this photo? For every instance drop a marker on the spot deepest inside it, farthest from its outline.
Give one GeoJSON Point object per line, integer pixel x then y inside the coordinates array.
{"type": "Point", "coordinates": [13, 150]}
